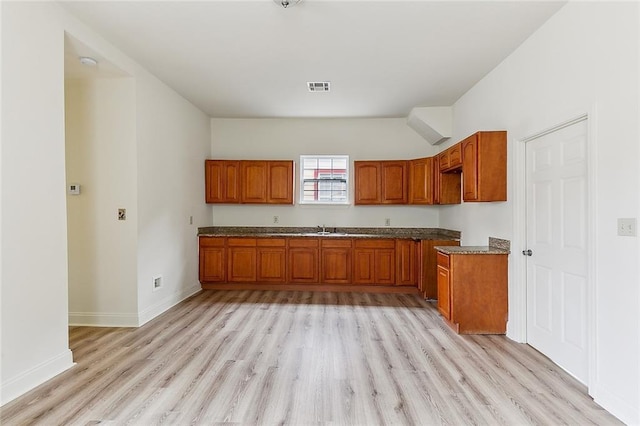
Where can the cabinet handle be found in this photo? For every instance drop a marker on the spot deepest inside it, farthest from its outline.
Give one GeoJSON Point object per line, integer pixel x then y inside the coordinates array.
{"type": "Point", "coordinates": [527, 252]}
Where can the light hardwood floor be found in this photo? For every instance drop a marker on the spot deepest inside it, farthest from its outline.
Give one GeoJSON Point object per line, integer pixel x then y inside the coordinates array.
{"type": "Point", "coordinates": [267, 357]}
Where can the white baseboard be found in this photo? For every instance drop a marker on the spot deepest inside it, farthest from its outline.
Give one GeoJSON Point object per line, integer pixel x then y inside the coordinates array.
{"type": "Point", "coordinates": [625, 411]}
{"type": "Point", "coordinates": [102, 319]}
{"type": "Point", "coordinates": [166, 303]}
{"type": "Point", "coordinates": [35, 376]}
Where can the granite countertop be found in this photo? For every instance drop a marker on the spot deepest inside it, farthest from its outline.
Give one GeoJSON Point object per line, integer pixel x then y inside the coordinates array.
{"type": "Point", "coordinates": [398, 233]}
{"type": "Point", "coordinates": [496, 246]}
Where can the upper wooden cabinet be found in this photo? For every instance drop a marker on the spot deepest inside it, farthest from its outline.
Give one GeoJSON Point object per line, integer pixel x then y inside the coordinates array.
{"type": "Point", "coordinates": [249, 181]}
{"type": "Point", "coordinates": [421, 181]}
{"type": "Point", "coordinates": [484, 167]}
{"type": "Point", "coordinates": [222, 181]}
{"type": "Point", "coordinates": [381, 182]}
{"type": "Point", "coordinates": [446, 185]}
{"type": "Point", "coordinates": [451, 158]}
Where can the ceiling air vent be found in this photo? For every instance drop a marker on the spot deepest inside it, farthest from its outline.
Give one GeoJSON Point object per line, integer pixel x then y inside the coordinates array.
{"type": "Point", "coordinates": [318, 86]}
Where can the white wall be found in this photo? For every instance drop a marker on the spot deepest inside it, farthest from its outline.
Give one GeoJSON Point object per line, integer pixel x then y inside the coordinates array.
{"type": "Point", "coordinates": [584, 59]}
{"type": "Point", "coordinates": [34, 232]}
{"type": "Point", "coordinates": [173, 142]}
{"type": "Point", "coordinates": [101, 157]}
{"type": "Point", "coordinates": [287, 139]}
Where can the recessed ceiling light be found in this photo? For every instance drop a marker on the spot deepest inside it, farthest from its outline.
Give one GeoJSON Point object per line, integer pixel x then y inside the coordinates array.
{"type": "Point", "coordinates": [287, 3]}
{"type": "Point", "coordinates": [88, 61]}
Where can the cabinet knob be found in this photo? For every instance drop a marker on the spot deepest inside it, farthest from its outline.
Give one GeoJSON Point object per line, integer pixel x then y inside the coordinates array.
{"type": "Point", "coordinates": [527, 252]}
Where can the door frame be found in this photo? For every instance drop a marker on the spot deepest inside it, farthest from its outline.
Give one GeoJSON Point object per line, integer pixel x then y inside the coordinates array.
{"type": "Point", "coordinates": [517, 329]}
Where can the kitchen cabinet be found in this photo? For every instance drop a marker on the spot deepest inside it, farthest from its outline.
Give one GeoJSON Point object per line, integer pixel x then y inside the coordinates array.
{"type": "Point", "coordinates": [447, 186]}
{"type": "Point", "coordinates": [271, 260]}
{"type": "Point", "coordinates": [451, 158]}
{"type": "Point", "coordinates": [427, 279]}
{"type": "Point", "coordinates": [472, 292]}
{"type": "Point", "coordinates": [484, 167]}
{"type": "Point", "coordinates": [406, 262]}
{"type": "Point", "coordinates": [374, 262]}
{"type": "Point", "coordinates": [222, 181]}
{"type": "Point", "coordinates": [241, 260]}
{"type": "Point", "coordinates": [380, 182]}
{"type": "Point", "coordinates": [249, 181]}
{"type": "Point", "coordinates": [303, 260]}
{"type": "Point", "coordinates": [212, 265]}
{"type": "Point", "coordinates": [335, 258]}
{"type": "Point", "coordinates": [421, 181]}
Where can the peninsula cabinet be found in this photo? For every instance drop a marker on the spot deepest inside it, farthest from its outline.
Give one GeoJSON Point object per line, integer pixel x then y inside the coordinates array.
{"type": "Point", "coordinates": [271, 257]}
{"type": "Point", "coordinates": [484, 167]}
{"type": "Point", "coordinates": [212, 264]}
{"type": "Point", "coordinates": [381, 182]}
{"type": "Point", "coordinates": [374, 262]}
{"type": "Point", "coordinates": [427, 278]}
{"type": "Point", "coordinates": [249, 181]}
{"type": "Point", "coordinates": [303, 260]}
{"type": "Point", "coordinates": [335, 261]}
{"type": "Point", "coordinates": [241, 260]}
{"type": "Point", "coordinates": [472, 292]}
{"type": "Point", "coordinates": [222, 181]}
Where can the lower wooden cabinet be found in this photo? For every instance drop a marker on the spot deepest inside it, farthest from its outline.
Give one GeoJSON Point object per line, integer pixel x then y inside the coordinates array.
{"type": "Point", "coordinates": [374, 262]}
{"type": "Point", "coordinates": [472, 292]}
{"type": "Point", "coordinates": [271, 260]}
{"type": "Point", "coordinates": [335, 259]}
{"type": "Point", "coordinates": [303, 260]}
{"type": "Point", "coordinates": [241, 260]}
{"type": "Point", "coordinates": [406, 262]}
{"type": "Point", "coordinates": [427, 278]}
{"type": "Point", "coordinates": [212, 264]}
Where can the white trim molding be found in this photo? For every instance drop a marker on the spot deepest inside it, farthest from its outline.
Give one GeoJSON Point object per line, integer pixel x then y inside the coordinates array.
{"type": "Point", "coordinates": [167, 303]}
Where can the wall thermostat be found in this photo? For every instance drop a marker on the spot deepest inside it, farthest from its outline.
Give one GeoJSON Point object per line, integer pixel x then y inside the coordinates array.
{"type": "Point", "coordinates": [74, 189]}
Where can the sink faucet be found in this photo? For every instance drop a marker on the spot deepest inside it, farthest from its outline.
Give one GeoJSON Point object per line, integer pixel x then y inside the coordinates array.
{"type": "Point", "coordinates": [322, 229]}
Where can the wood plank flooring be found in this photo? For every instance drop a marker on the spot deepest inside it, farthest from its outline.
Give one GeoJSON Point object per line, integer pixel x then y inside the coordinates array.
{"type": "Point", "coordinates": [299, 358]}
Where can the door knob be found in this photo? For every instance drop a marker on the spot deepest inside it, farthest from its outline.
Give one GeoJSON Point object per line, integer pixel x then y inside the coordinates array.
{"type": "Point", "coordinates": [527, 252]}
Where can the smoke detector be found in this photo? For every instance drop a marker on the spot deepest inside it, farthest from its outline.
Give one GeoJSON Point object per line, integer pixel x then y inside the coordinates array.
{"type": "Point", "coordinates": [287, 3]}
{"type": "Point", "coordinates": [318, 86]}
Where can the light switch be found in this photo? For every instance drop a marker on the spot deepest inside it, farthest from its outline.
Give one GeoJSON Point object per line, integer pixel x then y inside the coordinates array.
{"type": "Point", "coordinates": [627, 227]}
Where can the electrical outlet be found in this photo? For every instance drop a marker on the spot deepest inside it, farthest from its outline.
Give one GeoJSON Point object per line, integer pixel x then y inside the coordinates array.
{"type": "Point", "coordinates": [122, 214]}
{"type": "Point", "coordinates": [157, 282]}
{"type": "Point", "coordinates": [627, 227]}
{"type": "Point", "coordinates": [190, 220]}
{"type": "Point", "coordinates": [276, 219]}
{"type": "Point", "coordinates": [387, 222]}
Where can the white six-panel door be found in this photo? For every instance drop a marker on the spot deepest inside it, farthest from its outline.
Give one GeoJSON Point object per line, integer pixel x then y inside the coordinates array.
{"type": "Point", "coordinates": [556, 185]}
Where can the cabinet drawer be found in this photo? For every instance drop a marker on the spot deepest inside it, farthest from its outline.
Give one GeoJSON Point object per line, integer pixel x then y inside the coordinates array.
{"type": "Point", "coordinates": [335, 243]}
{"type": "Point", "coordinates": [303, 242]}
{"type": "Point", "coordinates": [271, 242]}
{"type": "Point", "coordinates": [242, 242]}
{"type": "Point", "coordinates": [442, 260]}
{"type": "Point", "coordinates": [375, 244]}
{"type": "Point", "coordinates": [212, 241]}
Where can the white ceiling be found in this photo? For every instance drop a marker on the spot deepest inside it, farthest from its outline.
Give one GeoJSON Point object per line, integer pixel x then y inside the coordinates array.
{"type": "Point", "coordinates": [253, 58]}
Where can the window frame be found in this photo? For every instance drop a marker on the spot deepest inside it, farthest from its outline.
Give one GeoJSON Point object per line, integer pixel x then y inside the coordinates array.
{"type": "Point", "coordinates": [347, 180]}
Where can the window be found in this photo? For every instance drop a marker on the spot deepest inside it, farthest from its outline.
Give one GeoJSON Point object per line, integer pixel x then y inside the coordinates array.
{"type": "Point", "coordinates": [324, 179]}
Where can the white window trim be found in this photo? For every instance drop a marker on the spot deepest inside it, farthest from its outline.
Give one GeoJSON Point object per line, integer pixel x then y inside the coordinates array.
{"type": "Point", "coordinates": [346, 202]}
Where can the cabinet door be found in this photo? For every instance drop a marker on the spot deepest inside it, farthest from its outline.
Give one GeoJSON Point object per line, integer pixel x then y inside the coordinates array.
{"type": "Point", "coordinates": [303, 261]}
{"type": "Point", "coordinates": [253, 182]}
{"type": "Point", "coordinates": [335, 261]}
{"type": "Point", "coordinates": [385, 267]}
{"type": "Point", "coordinates": [212, 260]}
{"type": "Point", "coordinates": [280, 185]}
{"type": "Point", "coordinates": [241, 260]}
{"type": "Point", "coordinates": [271, 260]}
{"type": "Point", "coordinates": [367, 182]}
{"type": "Point", "coordinates": [444, 302]}
{"type": "Point", "coordinates": [394, 182]}
{"type": "Point", "coordinates": [421, 181]}
{"type": "Point", "coordinates": [406, 262]}
{"type": "Point", "coordinates": [470, 168]}
{"type": "Point", "coordinates": [221, 181]}
{"type": "Point", "coordinates": [363, 266]}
